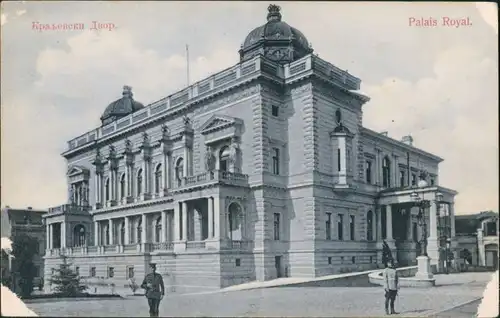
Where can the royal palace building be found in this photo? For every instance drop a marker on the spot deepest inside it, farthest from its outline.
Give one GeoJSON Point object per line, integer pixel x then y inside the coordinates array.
{"type": "Point", "coordinates": [262, 170]}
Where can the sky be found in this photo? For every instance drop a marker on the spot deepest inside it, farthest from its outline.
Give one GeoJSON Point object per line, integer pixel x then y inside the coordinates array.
{"type": "Point", "coordinates": [439, 84]}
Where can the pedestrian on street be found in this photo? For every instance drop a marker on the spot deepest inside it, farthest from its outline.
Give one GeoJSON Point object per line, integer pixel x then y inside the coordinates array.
{"type": "Point", "coordinates": [155, 290]}
{"type": "Point", "coordinates": [391, 286]}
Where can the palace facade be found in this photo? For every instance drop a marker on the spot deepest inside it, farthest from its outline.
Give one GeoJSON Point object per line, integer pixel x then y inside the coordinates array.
{"type": "Point", "coordinates": [262, 170]}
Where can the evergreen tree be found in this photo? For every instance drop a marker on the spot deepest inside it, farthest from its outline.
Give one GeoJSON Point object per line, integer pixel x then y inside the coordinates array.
{"type": "Point", "coordinates": [24, 249]}
{"type": "Point", "coordinates": [66, 281]}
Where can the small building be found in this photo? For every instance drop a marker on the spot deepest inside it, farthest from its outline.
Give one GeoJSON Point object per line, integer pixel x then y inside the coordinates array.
{"type": "Point", "coordinates": [477, 237]}
{"type": "Point", "coordinates": [30, 222]}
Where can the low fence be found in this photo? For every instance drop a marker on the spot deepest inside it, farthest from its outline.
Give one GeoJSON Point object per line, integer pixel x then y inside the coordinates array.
{"type": "Point", "coordinates": [406, 277]}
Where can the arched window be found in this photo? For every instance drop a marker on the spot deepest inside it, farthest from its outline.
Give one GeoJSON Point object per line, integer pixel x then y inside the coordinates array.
{"type": "Point", "coordinates": [179, 169]}
{"type": "Point", "coordinates": [122, 233]}
{"type": "Point", "coordinates": [139, 231]}
{"type": "Point", "coordinates": [79, 237]}
{"type": "Point", "coordinates": [139, 182]}
{"type": "Point", "coordinates": [158, 175]}
{"type": "Point", "coordinates": [234, 221]}
{"type": "Point", "coordinates": [369, 226]}
{"type": "Point", "coordinates": [224, 159]}
{"type": "Point", "coordinates": [386, 172]}
{"type": "Point", "coordinates": [158, 230]}
{"type": "Point", "coordinates": [107, 189]}
{"type": "Point", "coordinates": [122, 186]}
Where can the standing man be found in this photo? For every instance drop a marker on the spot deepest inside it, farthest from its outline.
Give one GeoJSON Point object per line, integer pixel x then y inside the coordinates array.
{"type": "Point", "coordinates": [391, 286]}
{"type": "Point", "coordinates": [155, 290]}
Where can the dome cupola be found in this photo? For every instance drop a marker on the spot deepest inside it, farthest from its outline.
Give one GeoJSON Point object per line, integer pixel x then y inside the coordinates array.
{"type": "Point", "coordinates": [275, 40]}
{"type": "Point", "coordinates": [121, 107]}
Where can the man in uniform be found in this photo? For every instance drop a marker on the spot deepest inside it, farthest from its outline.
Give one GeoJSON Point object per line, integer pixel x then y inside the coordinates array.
{"type": "Point", "coordinates": [155, 290]}
{"type": "Point", "coordinates": [391, 286]}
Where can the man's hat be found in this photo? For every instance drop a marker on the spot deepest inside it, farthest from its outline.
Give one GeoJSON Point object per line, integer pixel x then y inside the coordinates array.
{"type": "Point", "coordinates": [152, 265]}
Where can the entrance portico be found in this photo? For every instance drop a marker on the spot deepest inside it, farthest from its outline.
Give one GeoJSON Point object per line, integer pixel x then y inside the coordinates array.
{"type": "Point", "coordinates": [403, 232]}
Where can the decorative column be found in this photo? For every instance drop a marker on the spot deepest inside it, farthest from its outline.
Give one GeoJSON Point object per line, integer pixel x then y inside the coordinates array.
{"type": "Point", "coordinates": [126, 189]}
{"type": "Point", "coordinates": [96, 233]}
{"type": "Point", "coordinates": [379, 223]}
{"type": "Point", "coordinates": [378, 167]}
{"type": "Point", "coordinates": [452, 219]}
{"type": "Point", "coordinates": [210, 201]}
{"type": "Point", "coordinates": [97, 190]}
{"type": "Point", "coordinates": [432, 240]}
{"type": "Point", "coordinates": [127, 231]}
{"type": "Point", "coordinates": [177, 222]}
{"type": "Point", "coordinates": [144, 228]}
{"type": "Point", "coordinates": [164, 228]}
{"type": "Point", "coordinates": [63, 234]}
{"type": "Point", "coordinates": [388, 219]}
{"type": "Point", "coordinates": [186, 161]}
{"type": "Point", "coordinates": [185, 233]}
{"type": "Point", "coordinates": [218, 216]}
{"type": "Point", "coordinates": [395, 171]}
{"type": "Point", "coordinates": [111, 232]}
{"type": "Point", "coordinates": [47, 237]}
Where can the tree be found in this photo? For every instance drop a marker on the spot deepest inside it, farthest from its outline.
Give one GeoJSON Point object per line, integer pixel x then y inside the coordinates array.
{"type": "Point", "coordinates": [66, 281]}
{"type": "Point", "coordinates": [24, 249]}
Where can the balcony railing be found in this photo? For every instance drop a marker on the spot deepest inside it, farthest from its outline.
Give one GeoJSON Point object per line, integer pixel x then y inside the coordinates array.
{"type": "Point", "coordinates": [164, 246]}
{"type": "Point", "coordinates": [213, 177]}
{"type": "Point", "coordinates": [195, 245]}
{"type": "Point", "coordinates": [69, 209]}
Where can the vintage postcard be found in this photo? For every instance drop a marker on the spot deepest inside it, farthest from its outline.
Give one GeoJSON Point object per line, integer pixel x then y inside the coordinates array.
{"type": "Point", "coordinates": [287, 159]}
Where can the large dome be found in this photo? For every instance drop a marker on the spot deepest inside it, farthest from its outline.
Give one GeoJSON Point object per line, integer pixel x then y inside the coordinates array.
{"type": "Point", "coordinates": [121, 107]}
{"type": "Point", "coordinates": [276, 40]}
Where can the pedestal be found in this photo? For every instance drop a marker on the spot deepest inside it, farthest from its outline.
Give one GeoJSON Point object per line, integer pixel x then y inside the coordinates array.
{"type": "Point", "coordinates": [424, 268]}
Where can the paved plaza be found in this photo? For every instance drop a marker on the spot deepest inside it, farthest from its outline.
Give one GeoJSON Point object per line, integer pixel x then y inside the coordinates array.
{"type": "Point", "coordinates": [452, 292]}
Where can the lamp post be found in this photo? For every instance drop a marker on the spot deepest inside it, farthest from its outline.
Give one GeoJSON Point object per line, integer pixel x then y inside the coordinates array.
{"type": "Point", "coordinates": [423, 261]}
{"type": "Point", "coordinates": [448, 244]}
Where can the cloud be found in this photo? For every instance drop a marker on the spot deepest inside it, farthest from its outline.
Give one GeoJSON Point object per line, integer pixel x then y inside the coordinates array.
{"type": "Point", "coordinates": [452, 114]}
{"type": "Point", "coordinates": [68, 110]}
{"type": "Point", "coordinates": [431, 82]}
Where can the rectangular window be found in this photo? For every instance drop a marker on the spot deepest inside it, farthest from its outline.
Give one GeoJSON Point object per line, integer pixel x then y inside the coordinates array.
{"type": "Point", "coordinates": [353, 259]}
{"type": "Point", "coordinates": [413, 179]}
{"type": "Point", "coordinates": [342, 259]}
{"type": "Point", "coordinates": [432, 181]}
{"type": "Point", "coordinates": [77, 270]}
{"type": "Point", "coordinates": [340, 227]}
{"type": "Point", "coordinates": [130, 272]}
{"type": "Point", "coordinates": [371, 259]}
{"type": "Point", "coordinates": [339, 164]}
{"type": "Point", "coordinates": [276, 226]}
{"type": "Point", "coordinates": [328, 226]}
{"type": "Point", "coordinates": [352, 227]}
{"type": "Point", "coordinates": [275, 110]}
{"type": "Point", "coordinates": [37, 271]}
{"type": "Point", "coordinates": [368, 172]}
{"type": "Point", "coordinates": [238, 262]}
{"type": "Point", "coordinates": [329, 260]}
{"type": "Point", "coordinates": [92, 272]}
{"type": "Point", "coordinates": [276, 161]}
{"type": "Point", "coordinates": [402, 176]}
{"type": "Point", "coordinates": [111, 272]}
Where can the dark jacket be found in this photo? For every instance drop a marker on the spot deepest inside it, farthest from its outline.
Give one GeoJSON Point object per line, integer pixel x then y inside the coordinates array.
{"type": "Point", "coordinates": [157, 289]}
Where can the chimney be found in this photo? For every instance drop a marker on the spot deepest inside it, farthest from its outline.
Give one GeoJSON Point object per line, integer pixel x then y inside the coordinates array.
{"type": "Point", "coordinates": [127, 91]}
{"type": "Point", "coordinates": [30, 208]}
{"type": "Point", "coordinates": [385, 133]}
{"type": "Point", "coordinates": [407, 140]}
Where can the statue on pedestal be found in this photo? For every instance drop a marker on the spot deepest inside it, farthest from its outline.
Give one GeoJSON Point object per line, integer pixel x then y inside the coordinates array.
{"type": "Point", "coordinates": [209, 159]}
